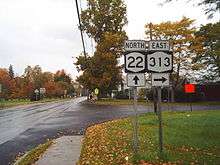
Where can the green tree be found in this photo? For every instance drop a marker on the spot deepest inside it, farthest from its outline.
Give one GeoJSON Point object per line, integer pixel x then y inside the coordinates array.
{"type": "Point", "coordinates": [103, 21]}
{"type": "Point", "coordinates": [211, 6]}
{"type": "Point", "coordinates": [11, 71]}
{"type": "Point", "coordinates": [61, 75]}
{"type": "Point", "coordinates": [210, 56]}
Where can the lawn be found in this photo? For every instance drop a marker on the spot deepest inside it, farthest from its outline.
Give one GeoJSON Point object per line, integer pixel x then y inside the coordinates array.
{"type": "Point", "coordinates": [189, 138]}
{"type": "Point", "coordinates": [144, 102]}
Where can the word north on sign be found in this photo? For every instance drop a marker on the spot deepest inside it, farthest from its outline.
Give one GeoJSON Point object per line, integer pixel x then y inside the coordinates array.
{"type": "Point", "coordinates": [136, 80]}
{"type": "Point", "coordinates": [135, 62]}
{"type": "Point", "coordinates": [135, 45]}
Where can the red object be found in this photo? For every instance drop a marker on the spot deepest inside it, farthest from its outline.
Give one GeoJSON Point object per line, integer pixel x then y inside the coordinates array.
{"type": "Point", "coordinates": [190, 88]}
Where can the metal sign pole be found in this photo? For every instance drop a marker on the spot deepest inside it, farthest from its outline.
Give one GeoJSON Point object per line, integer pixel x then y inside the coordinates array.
{"type": "Point", "coordinates": [135, 123]}
{"type": "Point", "coordinates": [160, 119]}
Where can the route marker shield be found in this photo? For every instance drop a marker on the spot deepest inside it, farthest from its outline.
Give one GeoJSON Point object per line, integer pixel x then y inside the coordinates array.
{"type": "Point", "coordinates": [135, 62]}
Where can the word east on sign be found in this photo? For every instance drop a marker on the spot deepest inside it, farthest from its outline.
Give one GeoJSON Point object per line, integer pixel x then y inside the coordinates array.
{"type": "Point", "coordinates": [160, 58]}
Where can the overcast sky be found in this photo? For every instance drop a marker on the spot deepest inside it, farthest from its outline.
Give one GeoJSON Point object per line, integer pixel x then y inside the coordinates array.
{"type": "Point", "coordinates": [45, 33]}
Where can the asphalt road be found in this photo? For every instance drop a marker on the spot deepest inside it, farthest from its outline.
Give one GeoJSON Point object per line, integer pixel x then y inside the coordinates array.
{"type": "Point", "coordinates": [24, 127]}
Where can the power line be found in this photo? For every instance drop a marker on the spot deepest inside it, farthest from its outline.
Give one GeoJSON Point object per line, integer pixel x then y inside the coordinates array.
{"type": "Point", "coordinates": [80, 27]}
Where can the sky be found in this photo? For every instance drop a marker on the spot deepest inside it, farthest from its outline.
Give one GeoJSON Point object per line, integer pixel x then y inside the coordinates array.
{"type": "Point", "coordinates": [45, 33]}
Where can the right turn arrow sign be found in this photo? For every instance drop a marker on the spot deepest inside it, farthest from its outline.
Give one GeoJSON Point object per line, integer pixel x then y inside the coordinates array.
{"type": "Point", "coordinates": [163, 79]}
{"type": "Point", "coordinates": [160, 79]}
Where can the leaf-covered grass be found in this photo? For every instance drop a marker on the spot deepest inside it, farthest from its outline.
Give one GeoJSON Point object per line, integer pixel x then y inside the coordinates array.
{"type": "Point", "coordinates": [189, 137]}
{"type": "Point", "coordinates": [120, 102]}
{"type": "Point", "coordinates": [16, 102]}
{"type": "Point", "coordinates": [34, 154]}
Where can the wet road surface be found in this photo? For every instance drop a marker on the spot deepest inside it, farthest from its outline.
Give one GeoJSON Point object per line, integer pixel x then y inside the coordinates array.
{"type": "Point", "coordinates": [24, 127]}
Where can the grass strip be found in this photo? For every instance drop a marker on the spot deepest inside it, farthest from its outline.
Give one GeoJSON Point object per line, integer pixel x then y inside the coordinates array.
{"type": "Point", "coordinates": [34, 154]}
{"type": "Point", "coordinates": [12, 103]}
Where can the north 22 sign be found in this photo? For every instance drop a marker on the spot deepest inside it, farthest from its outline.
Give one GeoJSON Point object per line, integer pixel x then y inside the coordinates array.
{"type": "Point", "coordinates": [135, 62]}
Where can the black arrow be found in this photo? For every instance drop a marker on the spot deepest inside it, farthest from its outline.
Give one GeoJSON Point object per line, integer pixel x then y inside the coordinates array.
{"type": "Point", "coordinates": [163, 79]}
{"type": "Point", "coordinates": [136, 80]}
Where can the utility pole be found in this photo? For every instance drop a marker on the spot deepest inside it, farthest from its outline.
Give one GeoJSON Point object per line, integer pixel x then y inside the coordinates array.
{"type": "Point", "coordinates": [80, 28]}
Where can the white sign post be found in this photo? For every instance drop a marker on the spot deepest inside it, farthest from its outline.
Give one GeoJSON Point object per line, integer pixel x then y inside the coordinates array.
{"type": "Point", "coordinates": [135, 65]}
{"type": "Point", "coordinates": [159, 63]}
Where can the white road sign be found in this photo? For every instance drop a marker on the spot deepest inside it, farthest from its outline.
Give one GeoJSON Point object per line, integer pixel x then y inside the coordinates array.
{"type": "Point", "coordinates": [159, 62]}
{"type": "Point", "coordinates": [135, 62]}
{"type": "Point", "coordinates": [160, 79]}
{"type": "Point", "coordinates": [135, 45]}
{"type": "Point", "coordinates": [159, 45]}
{"type": "Point", "coordinates": [136, 80]}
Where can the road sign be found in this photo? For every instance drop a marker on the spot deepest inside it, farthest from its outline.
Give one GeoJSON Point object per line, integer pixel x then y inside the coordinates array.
{"type": "Point", "coordinates": [159, 45]}
{"type": "Point", "coordinates": [160, 62]}
{"type": "Point", "coordinates": [42, 90]}
{"type": "Point", "coordinates": [96, 91]}
{"type": "Point", "coordinates": [189, 88]}
{"type": "Point", "coordinates": [160, 79]}
{"type": "Point", "coordinates": [136, 80]}
{"type": "Point", "coordinates": [135, 45]}
{"type": "Point", "coordinates": [36, 91]}
{"type": "Point", "coordinates": [135, 62]}
{"type": "Point", "coordinates": [0, 88]}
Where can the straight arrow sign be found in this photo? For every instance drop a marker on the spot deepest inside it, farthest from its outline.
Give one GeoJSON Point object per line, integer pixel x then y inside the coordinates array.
{"type": "Point", "coordinates": [136, 80]}
{"type": "Point", "coordinates": [160, 79]}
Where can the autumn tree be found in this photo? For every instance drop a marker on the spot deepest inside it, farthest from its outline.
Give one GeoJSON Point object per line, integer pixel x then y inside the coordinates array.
{"type": "Point", "coordinates": [103, 21]}
{"type": "Point", "coordinates": [210, 56]}
{"type": "Point", "coordinates": [8, 84]}
{"type": "Point", "coordinates": [181, 35]}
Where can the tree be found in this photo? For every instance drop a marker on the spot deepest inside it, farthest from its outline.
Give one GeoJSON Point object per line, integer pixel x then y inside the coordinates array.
{"type": "Point", "coordinates": [211, 6]}
{"type": "Point", "coordinates": [11, 71]}
{"type": "Point", "coordinates": [103, 16]}
{"type": "Point", "coordinates": [181, 35]}
{"type": "Point", "coordinates": [210, 56]}
{"type": "Point", "coordinates": [61, 75]}
{"type": "Point", "coordinates": [8, 84]}
{"type": "Point", "coordinates": [103, 21]}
